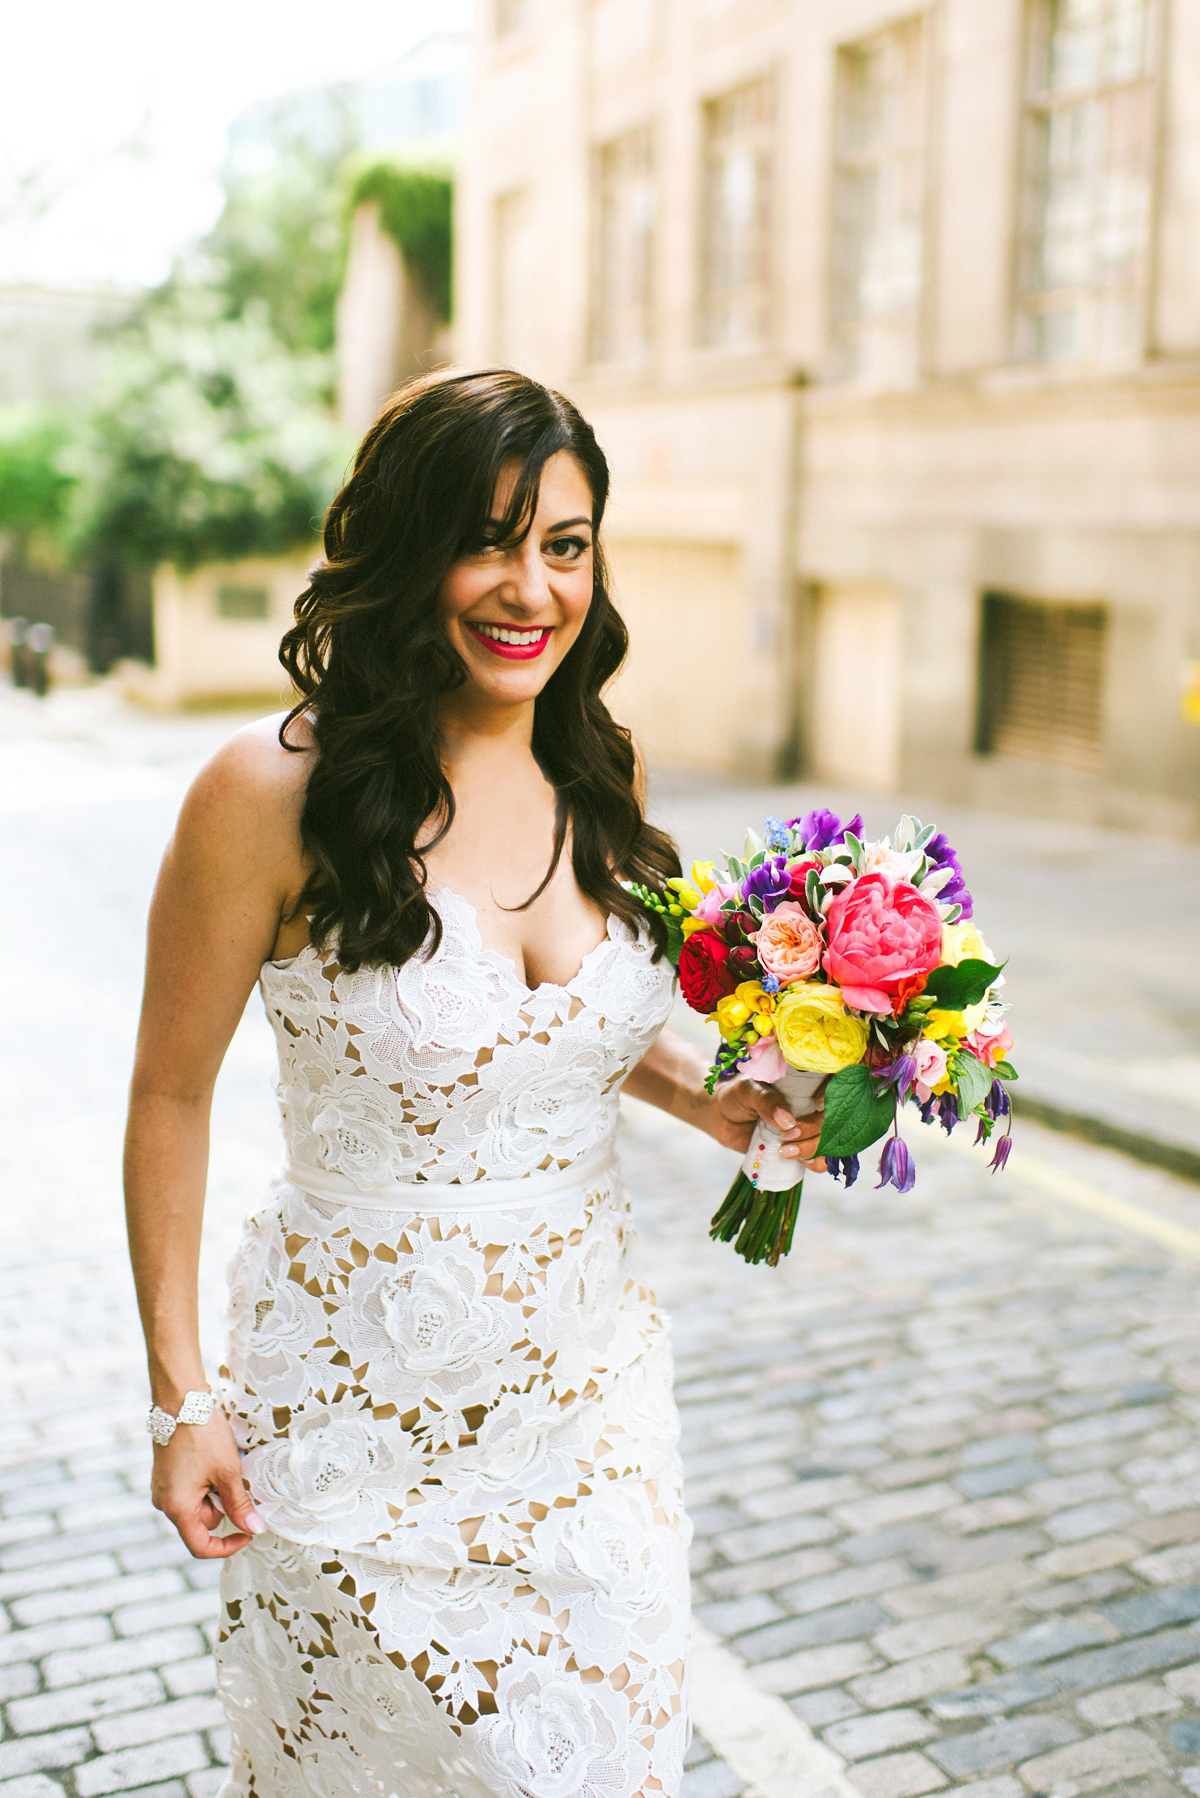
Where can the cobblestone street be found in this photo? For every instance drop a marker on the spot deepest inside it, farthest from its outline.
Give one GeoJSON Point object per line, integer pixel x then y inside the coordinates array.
{"type": "Point", "coordinates": [944, 1465]}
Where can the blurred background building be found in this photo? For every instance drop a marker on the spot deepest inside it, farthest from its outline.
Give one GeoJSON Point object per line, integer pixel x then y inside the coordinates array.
{"type": "Point", "coordinates": [889, 319]}
{"type": "Point", "coordinates": [887, 315]}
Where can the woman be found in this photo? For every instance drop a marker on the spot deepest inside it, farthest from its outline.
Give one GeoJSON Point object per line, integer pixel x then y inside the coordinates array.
{"type": "Point", "coordinates": [460, 1564]}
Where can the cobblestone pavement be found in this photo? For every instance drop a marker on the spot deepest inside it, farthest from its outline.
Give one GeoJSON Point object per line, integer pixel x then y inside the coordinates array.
{"type": "Point", "coordinates": [944, 1465]}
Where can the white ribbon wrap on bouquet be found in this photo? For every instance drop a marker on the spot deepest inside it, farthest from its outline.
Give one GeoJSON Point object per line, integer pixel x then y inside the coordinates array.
{"type": "Point", "coordinates": [763, 1164]}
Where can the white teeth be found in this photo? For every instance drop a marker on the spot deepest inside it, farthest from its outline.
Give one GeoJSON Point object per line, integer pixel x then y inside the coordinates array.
{"type": "Point", "coordinates": [500, 634]}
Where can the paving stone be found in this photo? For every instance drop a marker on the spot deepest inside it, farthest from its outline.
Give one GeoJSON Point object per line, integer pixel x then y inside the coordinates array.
{"type": "Point", "coordinates": [1088, 1557]}
{"type": "Point", "coordinates": [1062, 1594]}
{"type": "Point", "coordinates": [70, 1667]}
{"type": "Point", "coordinates": [712, 1779]}
{"type": "Point", "coordinates": [81, 1704]}
{"type": "Point", "coordinates": [1125, 1660]}
{"type": "Point", "coordinates": [992, 1697]}
{"type": "Point", "coordinates": [1090, 1766]}
{"type": "Point", "coordinates": [849, 1582]}
{"type": "Point", "coordinates": [999, 1476]}
{"type": "Point", "coordinates": [830, 1706]}
{"type": "Point", "coordinates": [1045, 1640]}
{"type": "Point", "coordinates": [731, 1616]}
{"type": "Point", "coordinates": [774, 1538]}
{"type": "Point", "coordinates": [978, 1585]}
{"type": "Point", "coordinates": [897, 1776]}
{"type": "Point", "coordinates": [190, 1607]}
{"type": "Point", "coordinates": [34, 1785]}
{"type": "Point", "coordinates": [1004, 1787]}
{"type": "Point", "coordinates": [1080, 1521]}
{"type": "Point", "coordinates": [945, 1629]}
{"type": "Point", "coordinates": [1185, 1737]}
{"type": "Point", "coordinates": [206, 1784]}
{"type": "Point", "coordinates": [1125, 1704]}
{"type": "Point", "coordinates": [1134, 1616]}
{"type": "Point", "coordinates": [32, 1754]}
{"type": "Point", "coordinates": [133, 1728]}
{"type": "Point", "coordinates": [864, 1736]}
{"type": "Point", "coordinates": [54, 1546]}
{"type": "Point", "coordinates": [896, 1507]}
{"type": "Point", "coordinates": [836, 1624]}
{"type": "Point", "coordinates": [912, 1680]}
{"type": "Point", "coordinates": [140, 1766]}
{"type": "Point", "coordinates": [1170, 1564]}
{"type": "Point", "coordinates": [1000, 1745]}
{"type": "Point", "coordinates": [814, 1667]}
{"type": "Point", "coordinates": [31, 1644]}
{"type": "Point", "coordinates": [879, 1545]}
{"type": "Point", "coordinates": [104, 1595]}
{"type": "Point", "coordinates": [762, 1576]}
{"type": "Point", "coordinates": [987, 1513]}
{"type": "Point", "coordinates": [1186, 1682]}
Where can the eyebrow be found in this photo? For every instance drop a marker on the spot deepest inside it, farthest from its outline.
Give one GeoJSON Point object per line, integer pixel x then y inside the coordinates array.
{"type": "Point", "coordinates": [565, 524]}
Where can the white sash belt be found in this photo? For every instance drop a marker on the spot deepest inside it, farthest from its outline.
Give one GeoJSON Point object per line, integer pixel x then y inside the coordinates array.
{"type": "Point", "coordinates": [429, 1196]}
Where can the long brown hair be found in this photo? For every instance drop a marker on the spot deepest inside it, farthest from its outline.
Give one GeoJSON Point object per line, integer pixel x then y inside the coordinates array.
{"type": "Point", "coordinates": [369, 655]}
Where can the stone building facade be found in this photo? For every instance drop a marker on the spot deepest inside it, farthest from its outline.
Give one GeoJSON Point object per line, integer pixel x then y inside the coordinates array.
{"type": "Point", "coordinates": [888, 316]}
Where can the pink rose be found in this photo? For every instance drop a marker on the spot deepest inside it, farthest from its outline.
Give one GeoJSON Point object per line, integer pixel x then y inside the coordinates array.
{"type": "Point", "coordinates": [992, 1046]}
{"type": "Point", "coordinates": [765, 1062]}
{"type": "Point", "coordinates": [709, 907]}
{"type": "Point", "coordinates": [789, 943]}
{"type": "Point", "coordinates": [930, 1058]}
{"type": "Point", "coordinates": [885, 938]}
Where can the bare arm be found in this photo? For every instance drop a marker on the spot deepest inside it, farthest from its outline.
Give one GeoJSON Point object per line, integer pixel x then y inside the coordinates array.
{"type": "Point", "coordinates": [228, 875]}
{"type": "Point", "coordinates": [671, 1076]}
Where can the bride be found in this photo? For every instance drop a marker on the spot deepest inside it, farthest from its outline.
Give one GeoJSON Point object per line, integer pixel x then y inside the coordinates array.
{"type": "Point", "coordinates": [443, 1471]}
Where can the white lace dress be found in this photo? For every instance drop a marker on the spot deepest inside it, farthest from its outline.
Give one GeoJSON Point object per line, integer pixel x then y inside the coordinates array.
{"type": "Point", "coordinates": [453, 1395]}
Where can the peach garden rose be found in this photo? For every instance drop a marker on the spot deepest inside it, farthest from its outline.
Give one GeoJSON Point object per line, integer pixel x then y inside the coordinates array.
{"type": "Point", "coordinates": [789, 943]}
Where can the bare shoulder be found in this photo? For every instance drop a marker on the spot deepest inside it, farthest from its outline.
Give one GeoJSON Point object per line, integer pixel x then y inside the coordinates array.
{"type": "Point", "coordinates": [244, 806]}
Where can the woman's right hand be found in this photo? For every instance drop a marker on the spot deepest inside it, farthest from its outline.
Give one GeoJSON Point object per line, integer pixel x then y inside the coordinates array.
{"type": "Point", "coordinates": [197, 1481]}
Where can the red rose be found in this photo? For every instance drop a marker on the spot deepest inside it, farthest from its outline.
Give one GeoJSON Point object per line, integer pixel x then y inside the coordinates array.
{"type": "Point", "coordinates": [743, 961]}
{"type": "Point", "coordinates": [799, 877]}
{"type": "Point", "coordinates": [704, 971]}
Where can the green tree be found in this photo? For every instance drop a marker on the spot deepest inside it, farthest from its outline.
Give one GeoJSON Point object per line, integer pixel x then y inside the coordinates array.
{"type": "Point", "coordinates": [35, 487]}
{"type": "Point", "coordinates": [415, 209]}
{"type": "Point", "coordinates": [210, 439]}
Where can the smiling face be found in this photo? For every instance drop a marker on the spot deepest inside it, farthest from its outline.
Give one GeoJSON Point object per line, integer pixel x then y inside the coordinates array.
{"type": "Point", "coordinates": [512, 611]}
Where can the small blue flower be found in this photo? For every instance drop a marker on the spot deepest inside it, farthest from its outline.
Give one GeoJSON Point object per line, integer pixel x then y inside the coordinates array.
{"type": "Point", "coordinates": [770, 983]}
{"type": "Point", "coordinates": [776, 834]}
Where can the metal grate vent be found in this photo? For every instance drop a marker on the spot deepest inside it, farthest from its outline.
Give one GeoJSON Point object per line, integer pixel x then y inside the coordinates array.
{"type": "Point", "coordinates": [1041, 674]}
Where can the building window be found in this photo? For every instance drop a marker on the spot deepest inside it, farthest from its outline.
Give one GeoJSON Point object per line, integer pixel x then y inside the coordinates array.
{"type": "Point", "coordinates": [514, 283]}
{"type": "Point", "coordinates": [878, 207]}
{"type": "Point", "coordinates": [1041, 678]}
{"type": "Point", "coordinates": [735, 266]}
{"type": "Point", "coordinates": [243, 602]}
{"type": "Point", "coordinates": [1089, 156]}
{"type": "Point", "coordinates": [623, 249]}
{"type": "Point", "coordinates": [509, 17]}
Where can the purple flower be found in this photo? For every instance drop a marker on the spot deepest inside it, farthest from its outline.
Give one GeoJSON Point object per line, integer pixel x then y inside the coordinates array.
{"type": "Point", "coordinates": [929, 1111]}
{"type": "Point", "coordinates": [901, 1074]}
{"type": "Point", "coordinates": [997, 1104]}
{"type": "Point", "coordinates": [948, 1111]}
{"type": "Point", "coordinates": [770, 881]}
{"type": "Point", "coordinates": [843, 1167]}
{"type": "Point", "coordinates": [895, 1166]}
{"type": "Point", "coordinates": [983, 1132]}
{"type": "Point", "coordinates": [818, 829]}
{"type": "Point", "coordinates": [939, 854]}
{"type": "Point", "coordinates": [1003, 1151]}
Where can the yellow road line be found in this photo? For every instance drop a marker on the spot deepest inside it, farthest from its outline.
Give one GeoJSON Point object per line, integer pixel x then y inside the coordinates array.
{"type": "Point", "coordinates": [1058, 1184]}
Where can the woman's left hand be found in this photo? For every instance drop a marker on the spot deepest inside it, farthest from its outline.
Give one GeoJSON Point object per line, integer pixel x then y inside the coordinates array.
{"type": "Point", "coordinates": [738, 1104]}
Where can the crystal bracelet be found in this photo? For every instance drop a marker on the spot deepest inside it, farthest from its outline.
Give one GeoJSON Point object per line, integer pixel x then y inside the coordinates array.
{"type": "Point", "coordinates": [197, 1407]}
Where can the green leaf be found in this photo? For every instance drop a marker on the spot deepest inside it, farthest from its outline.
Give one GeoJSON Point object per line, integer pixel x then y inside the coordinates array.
{"type": "Point", "coordinates": [1004, 1070]}
{"type": "Point", "coordinates": [857, 1112]}
{"type": "Point", "coordinates": [973, 1080]}
{"type": "Point", "coordinates": [954, 988]}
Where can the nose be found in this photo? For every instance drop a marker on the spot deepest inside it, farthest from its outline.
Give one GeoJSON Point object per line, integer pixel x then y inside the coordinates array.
{"type": "Point", "coordinates": [525, 581]}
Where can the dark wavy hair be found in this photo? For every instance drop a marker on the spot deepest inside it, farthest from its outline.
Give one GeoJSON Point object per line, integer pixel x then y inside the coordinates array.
{"type": "Point", "coordinates": [370, 657]}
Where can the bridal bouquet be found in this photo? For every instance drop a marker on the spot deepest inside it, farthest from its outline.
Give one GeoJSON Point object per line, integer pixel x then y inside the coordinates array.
{"type": "Point", "coordinates": [824, 958]}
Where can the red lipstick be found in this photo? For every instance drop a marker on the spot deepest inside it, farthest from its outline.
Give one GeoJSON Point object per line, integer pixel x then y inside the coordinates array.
{"type": "Point", "coordinates": [512, 652]}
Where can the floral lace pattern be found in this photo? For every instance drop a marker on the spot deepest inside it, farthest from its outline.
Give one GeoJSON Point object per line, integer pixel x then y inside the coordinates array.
{"type": "Point", "coordinates": [457, 1421]}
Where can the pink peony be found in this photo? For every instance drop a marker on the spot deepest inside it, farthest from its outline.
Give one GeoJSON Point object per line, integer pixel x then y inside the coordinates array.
{"type": "Point", "coordinates": [930, 1058]}
{"type": "Point", "coordinates": [709, 907]}
{"type": "Point", "coordinates": [789, 943]}
{"type": "Point", "coordinates": [992, 1046]}
{"type": "Point", "coordinates": [885, 939]}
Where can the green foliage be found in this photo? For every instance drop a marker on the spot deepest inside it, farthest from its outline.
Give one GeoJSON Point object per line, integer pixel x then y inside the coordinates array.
{"type": "Point", "coordinates": [35, 488]}
{"type": "Point", "coordinates": [857, 1112]}
{"type": "Point", "coordinates": [954, 988]}
{"type": "Point", "coordinates": [972, 1079]}
{"type": "Point", "coordinates": [280, 242]}
{"type": "Point", "coordinates": [209, 440]}
{"type": "Point", "coordinates": [415, 208]}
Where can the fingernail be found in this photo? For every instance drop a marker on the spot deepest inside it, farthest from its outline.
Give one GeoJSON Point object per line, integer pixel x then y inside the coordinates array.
{"type": "Point", "coordinates": [255, 1524]}
{"type": "Point", "coordinates": [790, 1152]}
{"type": "Point", "coordinates": [784, 1119]}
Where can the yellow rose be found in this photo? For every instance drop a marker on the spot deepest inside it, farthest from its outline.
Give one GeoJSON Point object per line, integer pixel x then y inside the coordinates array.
{"type": "Point", "coordinates": [814, 1031]}
{"type": "Point", "coordinates": [962, 942]}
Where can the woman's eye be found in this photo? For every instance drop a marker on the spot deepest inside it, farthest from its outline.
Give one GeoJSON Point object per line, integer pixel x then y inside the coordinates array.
{"type": "Point", "coordinates": [568, 549]}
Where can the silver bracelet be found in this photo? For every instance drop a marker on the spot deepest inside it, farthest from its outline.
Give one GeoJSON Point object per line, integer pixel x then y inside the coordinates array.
{"type": "Point", "coordinates": [197, 1407]}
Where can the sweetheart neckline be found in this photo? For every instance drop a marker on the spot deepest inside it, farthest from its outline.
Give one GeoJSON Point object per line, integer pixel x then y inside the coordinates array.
{"type": "Point", "coordinates": [506, 962]}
